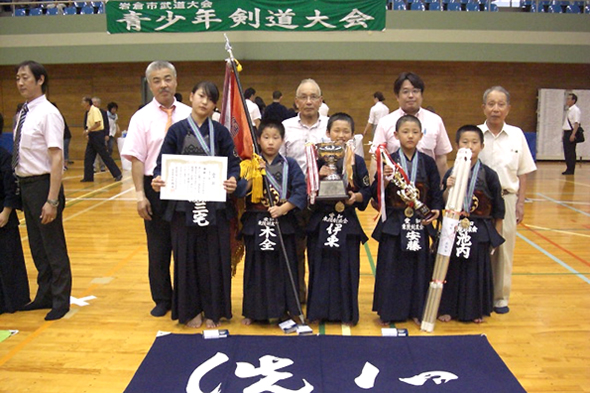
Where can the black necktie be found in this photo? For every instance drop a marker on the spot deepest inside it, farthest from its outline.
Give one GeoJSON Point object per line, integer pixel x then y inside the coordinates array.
{"type": "Point", "coordinates": [17, 137]}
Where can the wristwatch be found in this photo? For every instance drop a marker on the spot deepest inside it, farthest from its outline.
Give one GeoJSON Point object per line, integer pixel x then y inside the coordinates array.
{"type": "Point", "coordinates": [53, 202]}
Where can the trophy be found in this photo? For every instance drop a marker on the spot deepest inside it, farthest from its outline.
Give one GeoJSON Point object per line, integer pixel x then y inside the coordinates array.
{"type": "Point", "coordinates": [332, 186]}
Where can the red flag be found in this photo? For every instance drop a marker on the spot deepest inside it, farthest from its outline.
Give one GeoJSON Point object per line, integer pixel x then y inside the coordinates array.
{"type": "Point", "coordinates": [233, 115]}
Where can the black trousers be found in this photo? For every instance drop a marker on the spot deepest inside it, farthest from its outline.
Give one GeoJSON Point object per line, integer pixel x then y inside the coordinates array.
{"type": "Point", "coordinates": [569, 151]}
{"type": "Point", "coordinates": [47, 243]}
{"type": "Point", "coordinates": [96, 145]}
{"type": "Point", "coordinates": [159, 247]}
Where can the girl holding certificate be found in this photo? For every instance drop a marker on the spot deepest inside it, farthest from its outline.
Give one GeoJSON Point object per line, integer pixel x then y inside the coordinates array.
{"type": "Point", "coordinates": [200, 230]}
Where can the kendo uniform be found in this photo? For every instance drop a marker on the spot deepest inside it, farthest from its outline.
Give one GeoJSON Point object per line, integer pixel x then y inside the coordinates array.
{"type": "Point", "coordinates": [468, 292]}
{"type": "Point", "coordinates": [404, 261]}
{"type": "Point", "coordinates": [14, 284]}
{"type": "Point", "coordinates": [268, 292]}
{"type": "Point", "coordinates": [334, 237]}
{"type": "Point", "coordinates": [200, 231]}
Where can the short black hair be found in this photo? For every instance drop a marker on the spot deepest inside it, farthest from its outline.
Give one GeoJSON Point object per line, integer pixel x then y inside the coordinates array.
{"type": "Point", "coordinates": [37, 70]}
{"type": "Point", "coordinates": [574, 97]}
{"type": "Point", "coordinates": [87, 100]}
{"type": "Point", "coordinates": [276, 95]}
{"type": "Point", "coordinates": [270, 124]}
{"type": "Point", "coordinates": [414, 79]}
{"type": "Point", "coordinates": [378, 95]}
{"type": "Point", "coordinates": [209, 88]}
{"type": "Point", "coordinates": [407, 118]}
{"type": "Point", "coordinates": [340, 116]}
{"type": "Point", "coordinates": [112, 105]}
{"type": "Point", "coordinates": [249, 92]}
{"type": "Point", "coordinates": [469, 128]}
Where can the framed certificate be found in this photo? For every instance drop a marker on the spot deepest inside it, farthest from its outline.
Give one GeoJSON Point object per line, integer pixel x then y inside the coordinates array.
{"type": "Point", "coordinates": [193, 178]}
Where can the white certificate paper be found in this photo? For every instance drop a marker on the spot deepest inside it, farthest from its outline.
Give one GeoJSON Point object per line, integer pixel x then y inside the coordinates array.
{"type": "Point", "coordinates": [193, 178]}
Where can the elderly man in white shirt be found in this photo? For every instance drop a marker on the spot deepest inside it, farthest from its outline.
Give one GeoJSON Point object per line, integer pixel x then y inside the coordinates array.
{"type": "Point", "coordinates": [409, 91]}
{"type": "Point", "coordinates": [147, 129]}
{"type": "Point", "coordinates": [307, 127]}
{"type": "Point", "coordinates": [571, 124]}
{"type": "Point", "coordinates": [505, 151]}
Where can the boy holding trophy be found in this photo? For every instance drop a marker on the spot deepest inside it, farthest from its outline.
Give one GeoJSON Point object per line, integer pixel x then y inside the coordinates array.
{"type": "Point", "coordinates": [334, 232]}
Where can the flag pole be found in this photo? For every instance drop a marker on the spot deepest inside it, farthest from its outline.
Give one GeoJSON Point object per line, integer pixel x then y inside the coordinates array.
{"type": "Point", "coordinates": [235, 67]}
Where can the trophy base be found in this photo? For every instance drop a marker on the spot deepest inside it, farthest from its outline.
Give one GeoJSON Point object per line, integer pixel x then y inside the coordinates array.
{"type": "Point", "coordinates": [332, 190]}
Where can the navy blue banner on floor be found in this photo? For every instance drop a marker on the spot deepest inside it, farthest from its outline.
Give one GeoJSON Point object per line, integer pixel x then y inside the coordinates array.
{"type": "Point", "coordinates": [323, 364]}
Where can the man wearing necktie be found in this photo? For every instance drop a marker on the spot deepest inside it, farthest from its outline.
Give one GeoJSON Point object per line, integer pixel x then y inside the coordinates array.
{"type": "Point", "coordinates": [38, 165]}
{"type": "Point", "coordinates": [145, 135]}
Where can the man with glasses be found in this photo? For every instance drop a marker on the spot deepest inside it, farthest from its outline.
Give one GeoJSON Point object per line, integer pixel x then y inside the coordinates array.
{"type": "Point", "coordinates": [307, 127]}
{"type": "Point", "coordinates": [506, 151]}
{"type": "Point", "coordinates": [409, 91]}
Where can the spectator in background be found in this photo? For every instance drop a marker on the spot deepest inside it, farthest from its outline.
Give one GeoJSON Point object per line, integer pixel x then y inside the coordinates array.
{"type": "Point", "coordinates": [95, 133]}
{"type": "Point", "coordinates": [276, 111]}
{"type": "Point", "coordinates": [253, 109]}
{"type": "Point", "coordinates": [324, 108]}
{"type": "Point", "coordinates": [378, 111]}
{"type": "Point", "coordinates": [571, 124]}
{"type": "Point", "coordinates": [178, 96]}
{"type": "Point", "coordinates": [112, 109]}
{"type": "Point", "coordinates": [67, 139]}
{"type": "Point", "coordinates": [98, 163]}
{"type": "Point", "coordinates": [261, 105]}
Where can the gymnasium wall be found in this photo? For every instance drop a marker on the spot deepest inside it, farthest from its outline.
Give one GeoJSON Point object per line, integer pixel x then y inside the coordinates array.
{"type": "Point", "coordinates": [458, 55]}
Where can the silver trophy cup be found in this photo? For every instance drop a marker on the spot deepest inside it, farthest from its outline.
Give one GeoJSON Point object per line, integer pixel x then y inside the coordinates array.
{"type": "Point", "coordinates": [332, 186]}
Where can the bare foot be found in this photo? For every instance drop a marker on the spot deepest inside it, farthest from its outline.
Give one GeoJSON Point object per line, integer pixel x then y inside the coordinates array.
{"type": "Point", "coordinates": [349, 324]}
{"type": "Point", "coordinates": [246, 321]}
{"type": "Point", "coordinates": [416, 321]}
{"type": "Point", "coordinates": [444, 318]}
{"type": "Point", "coordinates": [314, 322]}
{"type": "Point", "coordinates": [196, 322]}
{"type": "Point", "coordinates": [478, 320]}
{"type": "Point", "coordinates": [210, 324]}
{"type": "Point", "coordinates": [383, 323]}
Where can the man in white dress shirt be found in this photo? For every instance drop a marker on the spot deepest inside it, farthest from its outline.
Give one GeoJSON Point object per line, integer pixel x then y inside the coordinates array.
{"type": "Point", "coordinates": [38, 163]}
{"type": "Point", "coordinates": [409, 91]}
{"type": "Point", "coordinates": [145, 136]}
{"type": "Point", "coordinates": [571, 124]}
{"type": "Point", "coordinates": [507, 152]}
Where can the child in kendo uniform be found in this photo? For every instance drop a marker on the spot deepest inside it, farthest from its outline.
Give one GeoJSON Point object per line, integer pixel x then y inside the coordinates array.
{"type": "Point", "coordinates": [468, 293]}
{"type": "Point", "coordinates": [335, 236]}
{"type": "Point", "coordinates": [268, 290]}
{"type": "Point", "coordinates": [14, 283]}
{"type": "Point", "coordinates": [404, 262]}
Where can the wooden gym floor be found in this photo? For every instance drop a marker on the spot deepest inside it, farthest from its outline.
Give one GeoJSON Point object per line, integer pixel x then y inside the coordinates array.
{"type": "Point", "coordinates": [544, 340]}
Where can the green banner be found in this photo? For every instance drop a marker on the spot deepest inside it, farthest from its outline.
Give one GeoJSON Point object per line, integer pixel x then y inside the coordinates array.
{"type": "Point", "coordinates": [228, 15]}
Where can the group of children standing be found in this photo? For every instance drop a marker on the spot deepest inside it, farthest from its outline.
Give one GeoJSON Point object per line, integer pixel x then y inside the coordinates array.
{"type": "Point", "coordinates": [201, 234]}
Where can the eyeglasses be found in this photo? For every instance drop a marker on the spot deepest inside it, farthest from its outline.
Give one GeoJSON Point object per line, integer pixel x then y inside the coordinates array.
{"type": "Point", "coordinates": [311, 98]}
{"type": "Point", "coordinates": [408, 91]}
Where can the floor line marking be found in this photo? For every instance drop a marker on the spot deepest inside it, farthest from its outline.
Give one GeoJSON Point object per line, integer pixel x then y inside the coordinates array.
{"type": "Point", "coordinates": [564, 205]}
{"type": "Point", "coordinates": [554, 258]}
{"type": "Point", "coordinates": [557, 245]}
{"type": "Point", "coordinates": [557, 231]}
